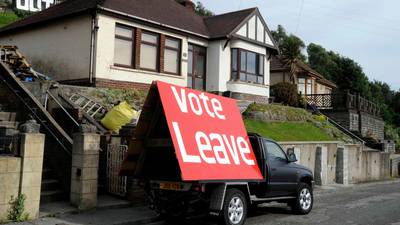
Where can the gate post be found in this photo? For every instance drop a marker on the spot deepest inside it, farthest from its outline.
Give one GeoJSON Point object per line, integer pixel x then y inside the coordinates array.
{"type": "Point", "coordinates": [85, 164]}
{"type": "Point", "coordinates": [31, 151]}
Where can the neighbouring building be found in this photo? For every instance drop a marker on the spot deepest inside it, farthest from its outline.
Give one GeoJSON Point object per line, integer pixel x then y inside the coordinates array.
{"type": "Point", "coordinates": [122, 44]}
{"type": "Point", "coordinates": [353, 112]}
{"type": "Point", "coordinates": [308, 80]}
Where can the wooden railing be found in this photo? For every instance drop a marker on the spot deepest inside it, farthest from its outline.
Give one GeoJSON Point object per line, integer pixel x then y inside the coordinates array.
{"type": "Point", "coordinates": [321, 101]}
{"type": "Point", "coordinates": [343, 101]}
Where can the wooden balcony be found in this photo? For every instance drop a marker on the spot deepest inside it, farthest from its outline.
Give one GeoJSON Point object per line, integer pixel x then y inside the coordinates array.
{"type": "Point", "coordinates": [343, 101]}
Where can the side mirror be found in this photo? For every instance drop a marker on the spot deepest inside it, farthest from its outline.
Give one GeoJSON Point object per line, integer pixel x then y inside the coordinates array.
{"type": "Point", "coordinates": [292, 158]}
{"type": "Point", "coordinates": [290, 153]}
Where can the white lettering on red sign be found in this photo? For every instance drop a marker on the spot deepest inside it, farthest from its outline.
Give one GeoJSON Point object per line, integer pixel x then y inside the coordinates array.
{"type": "Point", "coordinates": [212, 154]}
{"type": "Point", "coordinates": [196, 105]}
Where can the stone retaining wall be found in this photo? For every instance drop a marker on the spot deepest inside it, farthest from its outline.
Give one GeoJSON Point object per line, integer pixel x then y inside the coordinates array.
{"type": "Point", "coordinates": [334, 162]}
{"type": "Point", "coordinates": [395, 165]}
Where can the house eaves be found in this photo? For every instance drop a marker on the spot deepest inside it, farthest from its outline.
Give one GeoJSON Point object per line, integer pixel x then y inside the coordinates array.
{"type": "Point", "coordinates": [151, 21]}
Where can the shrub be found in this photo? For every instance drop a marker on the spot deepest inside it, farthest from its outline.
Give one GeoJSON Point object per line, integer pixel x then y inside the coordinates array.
{"type": "Point", "coordinates": [393, 133]}
{"type": "Point", "coordinates": [285, 93]}
{"type": "Point", "coordinates": [16, 212]}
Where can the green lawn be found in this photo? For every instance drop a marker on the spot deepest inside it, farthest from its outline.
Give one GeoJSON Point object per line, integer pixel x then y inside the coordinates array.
{"type": "Point", "coordinates": [7, 18]}
{"type": "Point", "coordinates": [287, 131]}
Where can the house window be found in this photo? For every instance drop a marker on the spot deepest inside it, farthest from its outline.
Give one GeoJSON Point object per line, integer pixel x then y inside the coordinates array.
{"type": "Point", "coordinates": [172, 53]}
{"type": "Point", "coordinates": [310, 86]}
{"type": "Point", "coordinates": [124, 46]}
{"type": "Point", "coordinates": [149, 46]}
{"type": "Point", "coordinates": [302, 86]}
{"type": "Point", "coordinates": [149, 50]}
{"type": "Point", "coordinates": [247, 66]}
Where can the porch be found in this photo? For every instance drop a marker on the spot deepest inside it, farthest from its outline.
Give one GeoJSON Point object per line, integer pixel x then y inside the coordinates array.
{"type": "Point", "coordinates": [343, 102]}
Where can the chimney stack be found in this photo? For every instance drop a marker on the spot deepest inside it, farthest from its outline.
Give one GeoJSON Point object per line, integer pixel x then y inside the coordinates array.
{"type": "Point", "coordinates": [188, 4]}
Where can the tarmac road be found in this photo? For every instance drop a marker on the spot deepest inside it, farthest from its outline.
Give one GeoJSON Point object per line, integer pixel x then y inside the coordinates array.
{"type": "Point", "coordinates": [367, 204]}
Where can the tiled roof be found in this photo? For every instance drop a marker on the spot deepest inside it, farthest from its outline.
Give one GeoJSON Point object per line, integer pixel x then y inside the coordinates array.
{"type": "Point", "coordinates": [167, 12]}
{"type": "Point", "coordinates": [163, 12]}
{"type": "Point", "coordinates": [222, 25]}
{"type": "Point", "coordinates": [278, 64]}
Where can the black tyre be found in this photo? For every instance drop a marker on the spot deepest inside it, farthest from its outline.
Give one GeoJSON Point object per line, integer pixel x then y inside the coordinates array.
{"type": "Point", "coordinates": [304, 200]}
{"type": "Point", "coordinates": [234, 211]}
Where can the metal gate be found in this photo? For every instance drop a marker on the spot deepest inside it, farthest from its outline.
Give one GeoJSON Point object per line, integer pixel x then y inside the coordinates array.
{"type": "Point", "coordinates": [115, 155]}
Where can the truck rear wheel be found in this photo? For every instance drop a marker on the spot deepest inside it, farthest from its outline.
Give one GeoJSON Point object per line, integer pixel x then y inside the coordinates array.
{"type": "Point", "coordinates": [304, 200]}
{"type": "Point", "coordinates": [234, 211]}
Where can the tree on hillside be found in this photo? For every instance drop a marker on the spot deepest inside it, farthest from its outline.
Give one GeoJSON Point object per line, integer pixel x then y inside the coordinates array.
{"type": "Point", "coordinates": [290, 46]}
{"type": "Point", "coordinates": [343, 71]}
{"type": "Point", "coordinates": [321, 61]}
{"type": "Point", "coordinates": [202, 11]}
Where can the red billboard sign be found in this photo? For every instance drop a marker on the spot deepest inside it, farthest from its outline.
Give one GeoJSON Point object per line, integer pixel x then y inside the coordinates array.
{"type": "Point", "coordinates": [208, 135]}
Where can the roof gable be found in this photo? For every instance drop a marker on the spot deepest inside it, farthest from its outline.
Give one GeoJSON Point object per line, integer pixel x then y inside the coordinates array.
{"type": "Point", "coordinates": [255, 29]}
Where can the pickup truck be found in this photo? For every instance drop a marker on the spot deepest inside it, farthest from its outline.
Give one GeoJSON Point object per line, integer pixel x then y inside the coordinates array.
{"type": "Point", "coordinates": [191, 152]}
{"type": "Point", "coordinates": [284, 181]}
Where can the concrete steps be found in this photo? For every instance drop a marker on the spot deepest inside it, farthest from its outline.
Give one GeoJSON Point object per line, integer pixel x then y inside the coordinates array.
{"type": "Point", "coordinates": [50, 186]}
{"type": "Point", "coordinates": [8, 116]}
{"type": "Point", "coordinates": [52, 196]}
{"type": "Point", "coordinates": [9, 124]}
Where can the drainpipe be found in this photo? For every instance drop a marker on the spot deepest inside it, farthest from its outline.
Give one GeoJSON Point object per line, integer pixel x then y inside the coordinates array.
{"type": "Point", "coordinates": [93, 47]}
{"type": "Point", "coordinates": [227, 42]}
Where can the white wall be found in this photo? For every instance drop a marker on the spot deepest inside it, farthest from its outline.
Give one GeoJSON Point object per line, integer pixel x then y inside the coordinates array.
{"type": "Point", "coordinates": [60, 49]}
{"type": "Point", "coordinates": [105, 55]}
{"type": "Point", "coordinates": [214, 62]}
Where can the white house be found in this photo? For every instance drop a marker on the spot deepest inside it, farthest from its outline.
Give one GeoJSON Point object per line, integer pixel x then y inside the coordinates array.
{"type": "Point", "coordinates": [122, 44]}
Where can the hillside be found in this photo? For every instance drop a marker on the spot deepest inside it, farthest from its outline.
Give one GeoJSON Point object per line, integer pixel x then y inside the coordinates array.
{"type": "Point", "coordinates": [7, 18]}
{"type": "Point", "coordinates": [283, 123]}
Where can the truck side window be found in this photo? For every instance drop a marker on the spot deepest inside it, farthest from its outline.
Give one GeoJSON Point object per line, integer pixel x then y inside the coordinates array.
{"type": "Point", "coordinates": [274, 152]}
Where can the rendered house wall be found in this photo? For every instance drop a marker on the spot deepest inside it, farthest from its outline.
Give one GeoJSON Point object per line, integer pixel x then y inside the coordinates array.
{"type": "Point", "coordinates": [105, 68]}
{"type": "Point", "coordinates": [60, 49]}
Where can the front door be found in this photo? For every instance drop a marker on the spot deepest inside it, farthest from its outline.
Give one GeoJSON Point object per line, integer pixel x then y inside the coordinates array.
{"type": "Point", "coordinates": [197, 67]}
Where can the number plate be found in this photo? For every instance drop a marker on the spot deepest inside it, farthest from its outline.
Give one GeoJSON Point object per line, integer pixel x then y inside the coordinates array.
{"type": "Point", "coordinates": [171, 186]}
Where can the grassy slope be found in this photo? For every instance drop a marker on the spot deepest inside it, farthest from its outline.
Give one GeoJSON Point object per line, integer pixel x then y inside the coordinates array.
{"type": "Point", "coordinates": [7, 18]}
{"type": "Point", "coordinates": [287, 131]}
